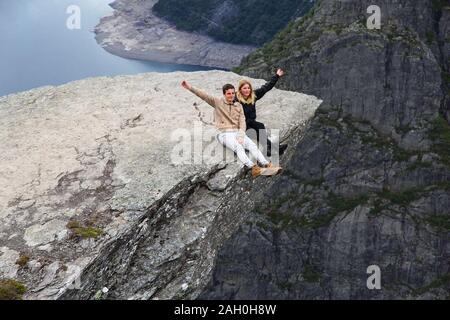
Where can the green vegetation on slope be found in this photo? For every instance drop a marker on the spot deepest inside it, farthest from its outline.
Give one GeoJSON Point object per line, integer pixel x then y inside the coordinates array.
{"type": "Point", "coordinates": [11, 289]}
{"type": "Point", "coordinates": [243, 22]}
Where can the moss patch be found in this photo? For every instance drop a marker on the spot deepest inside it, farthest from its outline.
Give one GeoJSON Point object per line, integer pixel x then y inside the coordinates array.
{"type": "Point", "coordinates": [283, 221]}
{"type": "Point", "coordinates": [440, 222]}
{"type": "Point", "coordinates": [23, 260]}
{"type": "Point", "coordinates": [439, 134]}
{"type": "Point", "coordinates": [319, 220]}
{"type": "Point", "coordinates": [315, 183]}
{"type": "Point", "coordinates": [418, 165]}
{"type": "Point", "coordinates": [403, 129]}
{"type": "Point", "coordinates": [340, 204]}
{"type": "Point", "coordinates": [431, 37]}
{"type": "Point", "coordinates": [311, 275]}
{"type": "Point", "coordinates": [401, 198]}
{"type": "Point", "coordinates": [337, 205]}
{"type": "Point", "coordinates": [378, 206]}
{"type": "Point", "coordinates": [329, 122]}
{"type": "Point", "coordinates": [437, 283]}
{"type": "Point", "coordinates": [284, 285]}
{"type": "Point", "coordinates": [83, 231]}
{"type": "Point", "coordinates": [445, 185]}
{"type": "Point", "coordinates": [438, 5]}
{"type": "Point", "coordinates": [386, 198]}
{"type": "Point", "coordinates": [446, 77]}
{"type": "Point", "coordinates": [11, 289]}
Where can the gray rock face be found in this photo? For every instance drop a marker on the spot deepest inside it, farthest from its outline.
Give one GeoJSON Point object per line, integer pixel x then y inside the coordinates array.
{"type": "Point", "coordinates": [390, 77]}
{"type": "Point", "coordinates": [94, 192]}
{"type": "Point", "coordinates": [341, 206]}
{"type": "Point", "coordinates": [444, 42]}
{"type": "Point", "coordinates": [368, 181]}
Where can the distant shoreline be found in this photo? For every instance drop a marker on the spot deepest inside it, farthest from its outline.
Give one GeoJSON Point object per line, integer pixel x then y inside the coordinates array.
{"type": "Point", "coordinates": [133, 32]}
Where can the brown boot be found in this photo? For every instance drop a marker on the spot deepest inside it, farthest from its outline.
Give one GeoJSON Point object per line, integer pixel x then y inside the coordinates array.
{"type": "Point", "coordinates": [271, 170]}
{"type": "Point", "coordinates": [269, 165]}
{"type": "Point", "coordinates": [256, 171]}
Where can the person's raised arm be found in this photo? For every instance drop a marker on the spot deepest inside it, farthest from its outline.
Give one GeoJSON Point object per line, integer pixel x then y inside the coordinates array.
{"type": "Point", "coordinates": [259, 93]}
{"type": "Point", "coordinates": [212, 101]}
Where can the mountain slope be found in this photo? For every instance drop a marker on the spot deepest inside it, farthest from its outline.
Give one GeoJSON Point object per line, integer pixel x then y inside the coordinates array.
{"type": "Point", "coordinates": [245, 22]}
{"type": "Point", "coordinates": [368, 183]}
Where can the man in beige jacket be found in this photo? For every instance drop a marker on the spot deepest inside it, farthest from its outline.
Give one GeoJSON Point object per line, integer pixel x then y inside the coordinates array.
{"type": "Point", "coordinates": [230, 121]}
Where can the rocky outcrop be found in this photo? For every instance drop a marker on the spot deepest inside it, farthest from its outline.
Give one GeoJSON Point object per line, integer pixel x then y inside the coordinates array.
{"type": "Point", "coordinates": [133, 31]}
{"type": "Point", "coordinates": [98, 192]}
{"type": "Point", "coordinates": [368, 183]}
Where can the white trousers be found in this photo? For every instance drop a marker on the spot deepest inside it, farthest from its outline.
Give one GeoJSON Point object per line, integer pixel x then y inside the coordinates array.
{"type": "Point", "coordinates": [229, 140]}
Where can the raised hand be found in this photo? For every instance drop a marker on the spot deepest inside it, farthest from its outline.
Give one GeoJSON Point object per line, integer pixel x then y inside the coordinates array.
{"type": "Point", "coordinates": [186, 85]}
{"type": "Point", "coordinates": [280, 72]}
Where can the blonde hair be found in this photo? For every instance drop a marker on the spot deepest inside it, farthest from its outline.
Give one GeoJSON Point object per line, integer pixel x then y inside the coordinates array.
{"type": "Point", "coordinates": [250, 99]}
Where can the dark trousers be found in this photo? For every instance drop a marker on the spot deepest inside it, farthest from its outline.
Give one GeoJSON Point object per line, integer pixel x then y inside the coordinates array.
{"type": "Point", "coordinates": [261, 134]}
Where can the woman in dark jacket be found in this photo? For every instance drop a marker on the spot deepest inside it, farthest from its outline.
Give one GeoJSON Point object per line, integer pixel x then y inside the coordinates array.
{"type": "Point", "coordinates": [248, 97]}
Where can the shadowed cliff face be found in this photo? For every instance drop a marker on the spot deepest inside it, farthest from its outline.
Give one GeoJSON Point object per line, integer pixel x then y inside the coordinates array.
{"type": "Point", "coordinates": [369, 182]}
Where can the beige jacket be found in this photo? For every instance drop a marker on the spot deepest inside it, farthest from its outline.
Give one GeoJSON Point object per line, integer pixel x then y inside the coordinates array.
{"type": "Point", "coordinates": [227, 116]}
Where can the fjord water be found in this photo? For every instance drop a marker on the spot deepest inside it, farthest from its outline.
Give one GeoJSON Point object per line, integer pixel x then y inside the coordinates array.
{"type": "Point", "coordinates": [37, 48]}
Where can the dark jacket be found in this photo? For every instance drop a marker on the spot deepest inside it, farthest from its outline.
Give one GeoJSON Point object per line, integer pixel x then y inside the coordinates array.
{"type": "Point", "coordinates": [250, 109]}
